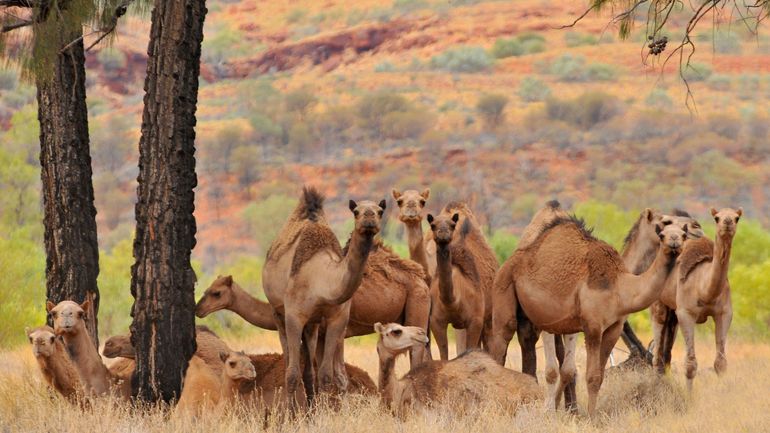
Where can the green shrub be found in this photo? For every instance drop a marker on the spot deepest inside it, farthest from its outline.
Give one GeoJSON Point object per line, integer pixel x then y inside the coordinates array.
{"type": "Point", "coordinates": [385, 66]}
{"type": "Point", "coordinates": [533, 45]}
{"type": "Point", "coordinates": [601, 72]}
{"type": "Point", "coordinates": [576, 39]}
{"type": "Point", "coordinates": [373, 108]}
{"type": "Point", "coordinates": [658, 98]}
{"type": "Point", "coordinates": [719, 82]}
{"type": "Point", "coordinates": [503, 244]}
{"type": "Point", "coordinates": [491, 107]}
{"type": "Point", "coordinates": [8, 79]}
{"type": "Point", "coordinates": [507, 48]}
{"type": "Point", "coordinates": [296, 15]}
{"type": "Point", "coordinates": [748, 86]}
{"type": "Point", "coordinates": [300, 101]}
{"type": "Point", "coordinates": [695, 72]}
{"type": "Point", "coordinates": [568, 67]}
{"type": "Point", "coordinates": [465, 59]}
{"type": "Point", "coordinates": [261, 217]}
{"type": "Point", "coordinates": [410, 5]}
{"type": "Point", "coordinates": [111, 59]}
{"type": "Point", "coordinates": [585, 111]}
{"type": "Point", "coordinates": [406, 124]}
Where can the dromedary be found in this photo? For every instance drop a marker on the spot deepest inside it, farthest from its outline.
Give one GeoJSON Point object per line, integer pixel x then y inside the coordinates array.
{"type": "Point", "coordinates": [69, 322]}
{"type": "Point", "coordinates": [202, 388]}
{"type": "Point", "coordinates": [465, 381]}
{"type": "Point", "coordinates": [703, 290]}
{"type": "Point", "coordinates": [307, 280]}
{"type": "Point", "coordinates": [567, 281]}
{"type": "Point", "coordinates": [54, 362]}
{"type": "Point", "coordinates": [423, 249]}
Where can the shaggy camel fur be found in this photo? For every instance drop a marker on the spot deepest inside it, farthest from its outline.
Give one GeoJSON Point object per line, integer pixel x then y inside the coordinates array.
{"type": "Point", "coordinates": [567, 281]}
{"type": "Point", "coordinates": [209, 347]}
{"type": "Point", "coordinates": [202, 388]}
{"type": "Point", "coordinates": [465, 381]}
{"type": "Point", "coordinates": [703, 290]}
{"type": "Point", "coordinates": [478, 254]}
{"type": "Point", "coordinates": [308, 280]}
{"type": "Point", "coordinates": [69, 322]}
{"type": "Point", "coordinates": [455, 292]}
{"type": "Point", "coordinates": [54, 362]}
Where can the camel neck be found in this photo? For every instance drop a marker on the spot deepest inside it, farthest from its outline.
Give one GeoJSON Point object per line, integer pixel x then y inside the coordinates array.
{"type": "Point", "coordinates": [640, 291]}
{"type": "Point", "coordinates": [719, 267]}
{"type": "Point", "coordinates": [86, 359]}
{"type": "Point", "coordinates": [387, 381]}
{"type": "Point", "coordinates": [444, 274]}
{"type": "Point", "coordinates": [414, 237]}
{"type": "Point", "coordinates": [62, 370]}
{"type": "Point", "coordinates": [230, 388]}
{"type": "Point", "coordinates": [251, 309]}
{"type": "Point", "coordinates": [353, 265]}
{"type": "Point", "coordinates": [638, 255]}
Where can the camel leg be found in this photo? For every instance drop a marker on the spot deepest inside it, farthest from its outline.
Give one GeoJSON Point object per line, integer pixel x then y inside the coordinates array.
{"type": "Point", "coordinates": [669, 336]}
{"type": "Point", "coordinates": [722, 325]}
{"type": "Point", "coordinates": [294, 328]}
{"type": "Point", "coordinates": [307, 350]}
{"type": "Point", "coordinates": [594, 370]}
{"type": "Point", "coordinates": [473, 335]}
{"type": "Point", "coordinates": [567, 373]}
{"type": "Point", "coordinates": [504, 323]}
{"type": "Point", "coordinates": [280, 323]}
{"type": "Point", "coordinates": [340, 373]}
{"type": "Point", "coordinates": [417, 313]}
{"type": "Point", "coordinates": [687, 324]}
{"type": "Point", "coordinates": [461, 341]}
{"type": "Point", "coordinates": [335, 331]}
{"type": "Point", "coordinates": [551, 370]}
{"type": "Point", "coordinates": [439, 333]}
{"type": "Point", "coordinates": [527, 335]}
{"type": "Point", "coordinates": [658, 323]}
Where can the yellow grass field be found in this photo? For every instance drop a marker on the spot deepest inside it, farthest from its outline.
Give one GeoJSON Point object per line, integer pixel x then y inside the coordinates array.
{"type": "Point", "coordinates": [629, 402]}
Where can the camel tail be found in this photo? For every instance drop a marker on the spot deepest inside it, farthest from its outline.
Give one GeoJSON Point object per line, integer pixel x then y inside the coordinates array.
{"type": "Point", "coordinates": [311, 206]}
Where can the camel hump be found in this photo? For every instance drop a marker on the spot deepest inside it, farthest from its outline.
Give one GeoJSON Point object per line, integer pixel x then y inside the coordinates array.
{"type": "Point", "coordinates": [360, 382]}
{"type": "Point", "coordinates": [314, 238]}
{"type": "Point", "coordinates": [554, 204]}
{"type": "Point", "coordinates": [695, 252]}
{"type": "Point", "coordinates": [464, 260]}
{"type": "Point", "coordinates": [311, 205]}
{"type": "Point", "coordinates": [604, 265]}
{"type": "Point", "coordinates": [206, 329]}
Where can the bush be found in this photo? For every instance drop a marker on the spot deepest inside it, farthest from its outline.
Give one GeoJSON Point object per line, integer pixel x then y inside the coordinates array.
{"type": "Point", "coordinates": [507, 48]}
{"type": "Point", "coordinates": [748, 86]}
{"type": "Point", "coordinates": [695, 72]}
{"type": "Point", "coordinates": [568, 67]}
{"type": "Point", "coordinates": [503, 244]}
{"type": "Point", "coordinates": [533, 89]}
{"type": "Point", "coordinates": [576, 39]}
{"type": "Point", "coordinates": [8, 79]}
{"type": "Point", "coordinates": [462, 60]}
{"type": "Point", "coordinates": [295, 16]}
{"type": "Point", "coordinates": [658, 98]}
{"type": "Point", "coordinates": [373, 108]}
{"type": "Point", "coordinates": [406, 124]}
{"type": "Point", "coordinates": [300, 101]}
{"type": "Point", "coordinates": [726, 126]}
{"type": "Point", "coordinates": [385, 66]}
{"type": "Point", "coordinates": [410, 5]}
{"type": "Point", "coordinates": [261, 217]}
{"type": "Point", "coordinates": [719, 82]}
{"type": "Point", "coordinates": [491, 107]}
{"type": "Point", "coordinates": [585, 111]}
{"type": "Point", "coordinates": [601, 72]}
{"type": "Point", "coordinates": [533, 45]}
{"type": "Point", "coordinates": [111, 59]}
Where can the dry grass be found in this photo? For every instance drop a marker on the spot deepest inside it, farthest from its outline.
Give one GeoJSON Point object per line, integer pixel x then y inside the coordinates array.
{"type": "Point", "coordinates": [629, 402]}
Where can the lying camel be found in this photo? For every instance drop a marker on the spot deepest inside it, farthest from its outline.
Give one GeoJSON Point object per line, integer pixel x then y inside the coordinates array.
{"type": "Point", "coordinates": [465, 381]}
{"type": "Point", "coordinates": [567, 281]}
{"type": "Point", "coordinates": [202, 388]}
{"type": "Point", "coordinates": [58, 369]}
{"type": "Point", "coordinates": [69, 322]}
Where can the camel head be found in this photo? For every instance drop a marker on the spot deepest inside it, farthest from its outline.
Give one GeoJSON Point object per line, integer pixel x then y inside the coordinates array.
{"type": "Point", "coordinates": [42, 340]}
{"type": "Point", "coordinates": [410, 204]}
{"type": "Point", "coordinates": [443, 226]}
{"type": "Point", "coordinates": [395, 338]}
{"type": "Point", "coordinates": [238, 366]}
{"type": "Point", "coordinates": [727, 221]}
{"type": "Point", "coordinates": [680, 218]}
{"type": "Point", "coordinates": [118, 346]}
{"type": "Point", "coordinates": [68, 317]}
{"type": "Point", "coordinates": [672, 237]}
{"type": "Point", "coordinates": [367, 216]}
{"type": "Point", "coordinates": [217, 297]}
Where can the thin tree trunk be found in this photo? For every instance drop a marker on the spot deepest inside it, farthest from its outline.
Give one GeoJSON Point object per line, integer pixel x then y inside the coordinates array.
{"type": "Point", "coordinates": [72, 252]}
{"type": "Point", "coordinates": [162, 280]}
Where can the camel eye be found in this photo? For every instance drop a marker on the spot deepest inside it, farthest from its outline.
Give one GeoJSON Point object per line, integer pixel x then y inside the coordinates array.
{"type": "Point", "coordinates": [52, 338]}
{"type": "Point", "coordinates": [379, 212]}
{"type": "Point", "coordinates": [695, 225]}
{"type": "Point", "coordinates": [396, 332]}
{"type": "Point", "coordinates": [355, 213]}
{"type": "Point", "coordinates": [737, 219]}
{"type": "Point", "coordinates": [667, 222]}
{"type": "Point", "coordinates": [400, 202]}
{"type": "Point", "coordinates": [716, 219]}
{"type": "Point", "coordinates": [661, 236]}
{"type": "Point", "coordinates": [30, 339]}
{"type": "Point", "coordinates": [232, 364]}
{"type": "Point", "coordinates": [216, 294]}
{"type": "Point", "coordinates": [422, 202]}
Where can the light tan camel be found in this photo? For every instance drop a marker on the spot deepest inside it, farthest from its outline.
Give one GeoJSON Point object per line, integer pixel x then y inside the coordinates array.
{"type": "Point", "coordinates": [69, 322]}
{"type": "Point", "coordinates": [202, 388]}
{"type": "Point", "coordinates": [423, 249]}
{"type": "Point", "coordinates": [308, 280]}
{"type": "Point", "coordinates": [58, 369]}
{"type": "Point", "coordinates": [703, 290]}
{"type": "Point", "coordinates": [567, 281]}
{"type": "Point", "coordinates": [226, 294]}
{"type": "Point", "coordinates": [121, 370]}
{"type": "Point", "coordinates": [456, 293]}
{"type": "Point", "coordinates": [465, 381]}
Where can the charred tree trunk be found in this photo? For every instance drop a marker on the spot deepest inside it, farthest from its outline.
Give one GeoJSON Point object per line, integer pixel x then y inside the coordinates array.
{"type": "Point", "coordinates": [162, 280]}
{"type": "Point", "coordinates": [72, 252]}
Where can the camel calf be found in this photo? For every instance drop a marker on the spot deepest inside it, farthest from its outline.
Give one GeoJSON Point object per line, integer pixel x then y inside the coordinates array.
{"type": "Point", "coordinates": [54, 362]}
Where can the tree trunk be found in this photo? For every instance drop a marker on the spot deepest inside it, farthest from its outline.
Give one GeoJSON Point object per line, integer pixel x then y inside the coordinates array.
{"type": "Point", "coordinates": [72, 252]}
{"type": "Point", "coordinates": [162, 280]}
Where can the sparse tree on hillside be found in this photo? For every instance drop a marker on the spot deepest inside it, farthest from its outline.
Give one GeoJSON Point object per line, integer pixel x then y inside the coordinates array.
{"type": "Point", "coordinates": [162, 278]}
{"type": "Point", "coordinates": [492, 109]}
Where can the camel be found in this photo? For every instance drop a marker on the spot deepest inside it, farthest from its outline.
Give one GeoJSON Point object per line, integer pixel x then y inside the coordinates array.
{"type": "Point", "coordinates": [465, 381]}
{"type": "Point", "coordinates": [567, 281]}
{"type": "Point", "coordinates": [121, 372]}
{"type": "Point", "coordinates": [202, 388]}
{"type": "Point", "coordinates": [226, 294]}
{"type": "Point", "coordinates": [423, 250]}
{"type": "Point", "coordinates": [69, 322]}
{"type": "Point", "coordinates": [703, 291]}
{"type": "Point", "coordinates": [58, 369]}
{"type": "Point", "coordinates": [455, 292]}
{"type": "Point", "coordinates": [307, 280]}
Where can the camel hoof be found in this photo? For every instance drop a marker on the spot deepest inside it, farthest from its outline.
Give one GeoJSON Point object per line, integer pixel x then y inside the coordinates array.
{"type": "Point", "coordinates": [720, 366]}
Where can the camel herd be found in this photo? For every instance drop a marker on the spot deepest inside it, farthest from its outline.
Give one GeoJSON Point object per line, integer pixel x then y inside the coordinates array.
{"type": "Point", "coordinates": [560, 281]}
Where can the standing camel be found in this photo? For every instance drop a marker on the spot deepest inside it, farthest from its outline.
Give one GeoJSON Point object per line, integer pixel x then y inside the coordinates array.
{"type": "Point", "coordinates": [567, 281]}
{"type": "Point", "coordinates": [307, 280]}
{"type": "Point", "coordinates": [703, 291]}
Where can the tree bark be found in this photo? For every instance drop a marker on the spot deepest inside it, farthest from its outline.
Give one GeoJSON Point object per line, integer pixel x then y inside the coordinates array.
{"type": "Point", "coordinates": [72, 252]}
{"type": "Point", "coordinates": [162, 279]}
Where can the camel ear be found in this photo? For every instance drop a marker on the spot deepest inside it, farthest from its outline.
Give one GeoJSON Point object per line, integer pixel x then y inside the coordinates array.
{"type": "Point", "coordinates": [430, 219]}
{"type": "Point", "coordinates": [383, 204]}
{"type": "Point", "coordinates": [86, 305]}
{"type": "Point", "coordinates": [378, 328]}
{"type": "Point", "coordinates": [456, 217]}
{"type": "Point", "coordinates": [714, 212]}
{"type": "Point", "coordinates": [49, 306]}
{"type": "Point", "coordinates": [649, 214]}
{"type": "Point", "coordinates": [223, 356]}
{"type": "Point", "coordinates": [395, 193]}
{"type": "Point", "coordinates": [27, 330]}
{"type": "Point", "coordinates": [228, 281]}
{"type": "Point", "coordinates": [425, 194]}
{"type": "Point", "coordinates": [740, 212]}
{"type": "Point", "coordinates": [352, 205]}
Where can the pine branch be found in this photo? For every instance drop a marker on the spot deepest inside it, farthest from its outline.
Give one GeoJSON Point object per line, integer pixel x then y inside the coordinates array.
{"type": "Point", "coordinates": [120, 10]}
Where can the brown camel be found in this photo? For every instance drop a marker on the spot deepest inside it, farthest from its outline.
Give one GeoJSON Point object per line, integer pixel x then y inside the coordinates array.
{"type": "Point", "coordinates": [226, 294]}
{"type": "Point", "coordinates": [465, 381]}
{"type": "Point", "coordinates": [202, 388]}
{"type": "Point", "coordinates": [58, 369]}
{"type": "Point", "coordinates": [69, 322]}
{"type": "Point", "coordinates": [567, 281]}
{"type": "Point", "coordinates": [121, 370]}
{"type": "Point", "coordinates": [423, 249]}
{"type": "Point", "coordinates": [703, 290]}
{"type": "Point", "coordinates": [456, 294]}
{"type": "Point", "coordinates": [307, 280]}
